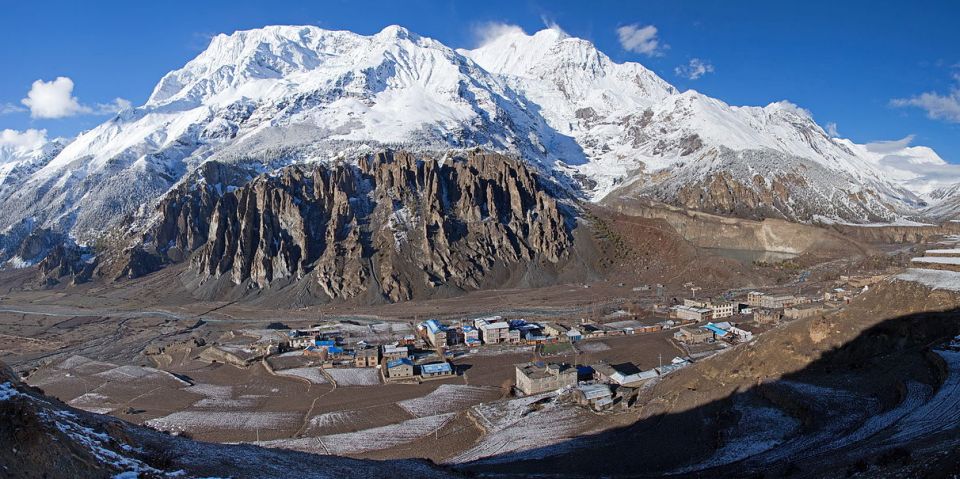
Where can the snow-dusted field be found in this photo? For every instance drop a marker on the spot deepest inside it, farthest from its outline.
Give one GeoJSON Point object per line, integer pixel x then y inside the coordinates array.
{"type": "Point", "coordinates": [214, 420]}
{"type": "Point", "coordinates": [940, 413]}
{"type": "Point", "coordinates": [355, 376]}
{"type": "Point", "coordinates": [446, 398]}
{"type": "Point", "coordinates": [515, 426]}
{"type": "Point", "coordinates": [936, 279]}
{"type": "Point", "coordinates": [131, 373]}
{"type": "Point", "coordinates": [314, 375]}
{"type": "Point", "coordinates": [758, 430]}
{"type": "Point", "coordinates": [373, 439]}
{"type": "Point", "coordinates": [839, 418]}
{"type": "Point", "coordinates": [92, 402]}
{"type": "Point", "coordinates": [84, 365]}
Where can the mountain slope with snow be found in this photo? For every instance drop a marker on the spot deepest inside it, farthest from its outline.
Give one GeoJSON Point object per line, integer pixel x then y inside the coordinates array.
{"type": "Point", "coordinates": [280, 95]}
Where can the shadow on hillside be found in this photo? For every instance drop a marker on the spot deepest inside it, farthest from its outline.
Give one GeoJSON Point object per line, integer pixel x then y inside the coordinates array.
{"type": "Point", "coordinates": [876, 365]}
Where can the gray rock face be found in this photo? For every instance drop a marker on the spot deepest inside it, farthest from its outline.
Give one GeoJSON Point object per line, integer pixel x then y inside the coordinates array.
{"type": "Point", "coordinates": [392, 224]}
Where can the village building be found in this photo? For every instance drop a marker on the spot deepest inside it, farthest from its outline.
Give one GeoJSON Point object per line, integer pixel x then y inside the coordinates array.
{"type": "Point", "coordinates": [436, 370]}
{"type": "Point", "coordinates": [741, 335]}
{"type": "Point", "coordinates": [803, 311]}
{"type": "Point", "coordinates": [767, 316]}
{"type": "Point", "coordinates": [365, 357]}
{"type": "Point", "coordinates": [691, 335]}
{"type": "Point", "coordinates": [722, 309]}
{"type": "Point", "coordinates": [690, 313]}
{"type": "Point", "coordinates": [556, 330]}
{"type": "Point", "coordinates": [755, 299]}
{"type": "Point", "coordinates": [778, 302]}
{"type": "Point", "coordinates": [696, 303]}
{"type": "Point", "coordinates": [471, 335]}
{"type": "Point", "coordinates": [597, 396]}
{"type": "Point", "coordinates": [436, 333]}
{"type": "Point", "coordinates": [622, 374]}
{"type": "Point", "coordinates": [494, 332]}
{"type": "Point", "coordinates": [300, 339]}
{"type": "Point", "coordinates": [391, 352]}
{"type": "Point", "coordinates": [536, 378]}
{"type": "Point", "coordinates": [574, 335]}
{"type": "Point", "coordinates": [400, 368]}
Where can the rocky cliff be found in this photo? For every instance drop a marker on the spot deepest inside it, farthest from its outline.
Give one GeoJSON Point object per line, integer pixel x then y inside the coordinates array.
{"type": "Point", "coordinates": [391, 224]}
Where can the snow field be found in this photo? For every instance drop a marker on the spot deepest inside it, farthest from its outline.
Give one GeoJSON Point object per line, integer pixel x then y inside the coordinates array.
{"type": "Point", "coordinates": [314, 375]}
{"type": "Point", "coordinates": [446, 398]}
{"type": "Point", "coordinates": [354, 376]}
{"type": "Point", "coordinates": [373, 439]}
{"type": "Point", "coordinates": [235, 420]}
{"type": "Point", "coordinates": [940, 413]}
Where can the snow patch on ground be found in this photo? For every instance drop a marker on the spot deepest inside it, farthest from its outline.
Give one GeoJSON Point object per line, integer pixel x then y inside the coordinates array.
{"type": "Point", "coordinates": [528, 424]}
{"type": "Point", "coordinates": [940, 413]}
{"type": "Point", "coordinates": [234, 420]}
{"type": "Point", "coordinates": [758, 430]}
{"type": "Point", "coordinates": [373, 439]}
{"type": "Point", "coordinates": [354, 376]}
{"type": "Point", "coordinates": [446, 398]}
{"type": "Point", "coordinates": [936, 279]}
{"type": "Point", "coordinates": [314, 375]}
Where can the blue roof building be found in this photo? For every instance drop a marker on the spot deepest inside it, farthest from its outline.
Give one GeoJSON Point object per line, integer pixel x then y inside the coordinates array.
{"type": "Point", "coordinates": [433, 326]}
{"type": "Point", "coordinates": [438, 369]}
{"type": "Point", "coordinates": [399, 362]}
{"type": "Point", "coordinates": [325, 343]}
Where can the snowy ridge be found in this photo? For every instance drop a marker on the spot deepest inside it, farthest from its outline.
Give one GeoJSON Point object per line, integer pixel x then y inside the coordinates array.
{"type": "Point", "coordinates": [270, 97]}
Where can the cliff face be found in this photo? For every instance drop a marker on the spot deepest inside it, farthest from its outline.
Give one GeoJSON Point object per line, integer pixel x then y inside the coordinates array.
{"type": "Point", "coordinates": [393, 223]}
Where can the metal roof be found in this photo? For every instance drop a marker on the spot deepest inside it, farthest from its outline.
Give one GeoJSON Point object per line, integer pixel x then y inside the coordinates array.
{"type": "Point", "coordinates": [433, 326]}
{"type": "Point", "coordinates": [398, 362]}
{"type": "Point", "coordinates": [436, 368]}
{"type": "Point", "coordinates": [595, 391]}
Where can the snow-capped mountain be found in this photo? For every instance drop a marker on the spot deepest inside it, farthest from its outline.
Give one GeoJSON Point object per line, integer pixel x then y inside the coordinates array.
{"type": "Point", "coordinates": [278, 95]}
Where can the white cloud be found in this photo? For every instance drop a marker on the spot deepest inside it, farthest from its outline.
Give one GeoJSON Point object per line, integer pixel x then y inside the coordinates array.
{"type": "Point", "coordinates": [23, 140]}
{"type": "Point", "coordinates": [118, 105]}
{"type": "Point", "coordinates": [938, 107]}
{"type": "Point", "coordinates": [637, 39]}
{"type": "Point", "coordinates": [490, 31]}
{"type": "Point", "coordinates": [54, 99]}
{"type": "Point", "coordinates": [552, 25]}
{"type": "Point", "coordinates": [890, 146]}
{"type": "Point", "coordinates": [832, 130]}
{"type": "Point", "coordinates": [693, 70]}
{"type": "Point", "coordinates": [6, 108]}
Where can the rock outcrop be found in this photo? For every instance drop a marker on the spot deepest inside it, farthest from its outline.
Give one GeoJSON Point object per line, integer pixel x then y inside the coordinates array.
{"type": "Point", "coordinates": [392, 223]}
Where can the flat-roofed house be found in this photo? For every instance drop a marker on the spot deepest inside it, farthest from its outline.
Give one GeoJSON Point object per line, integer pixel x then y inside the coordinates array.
{"type": "Point", "coordinates": [692, 335]}
{"type": "Point", "coordinates": [494, 332]}
{"type": "Point", "coordinates": [365, 357]}
{"type": "Point", "coordinates": [754, 298]}
{"type": "Point", "coordinates": [400, 368]}
{"type": "Point", "coordinates": [392, 351]}
{"type": "Point", "coordinates": [536, 378]}
{"type": "Point", "coordinates": [436, 370]}
{"type": "Point", "coordinates": [690, 313]}
{"type": "Point", "coordinates": [778, 302]}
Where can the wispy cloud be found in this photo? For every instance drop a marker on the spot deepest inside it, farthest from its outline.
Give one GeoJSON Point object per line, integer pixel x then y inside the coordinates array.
{"type": "Point", "coordinates": [641, 39]}
{"type": "Point", "coordinates": [693, 70]}
{"type": "Point", "coordinates": [7, 108]}
{"type": "Point", "coordinates": [54, 99]}
{"type": "Point", "coordinates": [487, 32]}
{"type": "Point", "coordinates": [938, 106]}
{"type": "Point", "coordinates": [832, 130]}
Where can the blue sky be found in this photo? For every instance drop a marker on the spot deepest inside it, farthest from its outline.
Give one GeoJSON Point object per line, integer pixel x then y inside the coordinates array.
{"type": "Point", "coordinates": [846, 62]}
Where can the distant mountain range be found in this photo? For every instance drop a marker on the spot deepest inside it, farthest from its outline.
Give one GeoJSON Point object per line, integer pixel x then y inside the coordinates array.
{"type": "Point", "coordinates": [262, 100]}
